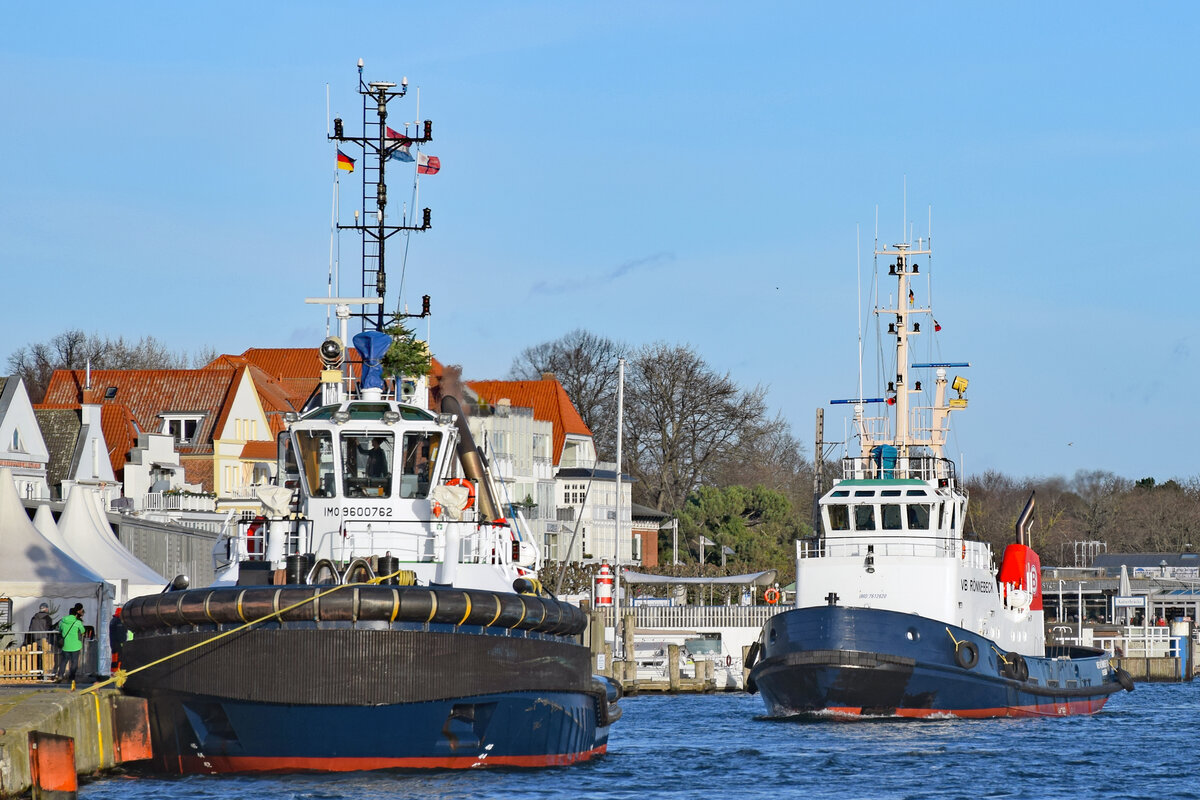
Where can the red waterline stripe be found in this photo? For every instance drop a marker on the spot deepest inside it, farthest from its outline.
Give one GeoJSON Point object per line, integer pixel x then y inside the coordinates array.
{"type": "Point", "coordinates": [221, 764]}
{"type": "Point", "coordinates": [1066, 709]}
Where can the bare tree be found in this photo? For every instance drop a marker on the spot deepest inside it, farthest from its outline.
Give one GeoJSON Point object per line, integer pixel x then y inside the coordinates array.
{"type": "Point", "coordinates": [74, 349]}
{"type": "Point", "coordinates": [586, 366]}
{"type": "Point", "coordinates": [682, 419]}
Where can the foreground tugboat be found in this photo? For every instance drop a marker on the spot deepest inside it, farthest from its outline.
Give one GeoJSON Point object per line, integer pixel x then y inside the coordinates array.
{"type": "Point", "coordinates": [897, 612]}
{"type": "Point", "coordinates": [384, 614]}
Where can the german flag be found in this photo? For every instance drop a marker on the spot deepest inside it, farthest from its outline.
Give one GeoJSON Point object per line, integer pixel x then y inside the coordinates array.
{"type": "Point", "coordinates": [345, 162]}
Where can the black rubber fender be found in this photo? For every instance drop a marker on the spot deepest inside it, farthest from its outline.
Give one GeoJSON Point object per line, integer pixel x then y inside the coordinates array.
{"type": "Point", "coordinates": [1125, 679]}
{"type": "Point", "coordinates": [1020, 668]}
{"type": "Point", "coordinates": [751, 656]}
{"type": "Point", "coordinates": [966, 654]}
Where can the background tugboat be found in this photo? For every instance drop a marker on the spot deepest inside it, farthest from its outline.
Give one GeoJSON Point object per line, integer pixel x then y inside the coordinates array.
{"type": "Point", "coordinates": [898, 612]}
{"type": "Point", "coordinates": [386, 613]}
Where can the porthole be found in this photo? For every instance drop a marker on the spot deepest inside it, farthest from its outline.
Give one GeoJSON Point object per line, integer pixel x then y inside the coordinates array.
{"type": "Point", "coordinates": [913, 635]}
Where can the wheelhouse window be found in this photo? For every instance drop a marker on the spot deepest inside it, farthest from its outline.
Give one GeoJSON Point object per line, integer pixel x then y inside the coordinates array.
{"type": "Point", "coordinates": [420, 458]}
{"type": "Point", "coordinates": [864, 518]}
{"type": "Point", "coordinates": [367, 460]}
{"type": "Point", "coordinates": [289, 470]}
{"type": "Point", "coordinates": [315, 449]}
{"type": "Point", "coordinates": [918, 517]}
{"type": "Point", "coordinates": [839, 518]}
{"type": "Point", "coordinates": [891, 517]}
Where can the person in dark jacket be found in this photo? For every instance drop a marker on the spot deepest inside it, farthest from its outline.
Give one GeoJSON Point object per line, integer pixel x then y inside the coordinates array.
{"type": "Point", "coordinates": [118, 634]}
{"type": "Point", "coordinates": [39, 633]}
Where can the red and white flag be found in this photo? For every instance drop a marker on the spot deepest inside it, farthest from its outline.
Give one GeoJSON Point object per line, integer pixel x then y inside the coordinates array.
{"type": "Point", "coordinates": [402, 142]}
{"type": "Point", "coordinates": [428, 165]}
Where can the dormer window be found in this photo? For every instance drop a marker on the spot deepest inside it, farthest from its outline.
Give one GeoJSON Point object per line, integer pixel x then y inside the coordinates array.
{"type": "Point", "coordinates": [184, 428]}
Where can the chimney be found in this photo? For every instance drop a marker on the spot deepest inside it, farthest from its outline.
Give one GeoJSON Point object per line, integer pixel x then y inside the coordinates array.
{"type": "Point", "coordinates": [548, 376]}
{"type": "Point", "coordinates": [88, 396]}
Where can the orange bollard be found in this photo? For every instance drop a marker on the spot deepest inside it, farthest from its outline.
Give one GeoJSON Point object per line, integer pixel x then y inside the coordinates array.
{"type": "Point", "coordinates": [52, 766]}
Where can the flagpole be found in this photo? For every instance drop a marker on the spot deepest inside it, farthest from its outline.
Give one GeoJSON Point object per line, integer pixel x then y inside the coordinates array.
{"type": "Point", "coordinates": [332, 238]}
{"type": "Point", "coordinates": [617, 536]}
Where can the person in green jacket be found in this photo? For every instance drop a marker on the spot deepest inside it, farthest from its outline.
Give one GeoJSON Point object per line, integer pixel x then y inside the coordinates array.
{"type": "Point", "coordinates": [71, 628]}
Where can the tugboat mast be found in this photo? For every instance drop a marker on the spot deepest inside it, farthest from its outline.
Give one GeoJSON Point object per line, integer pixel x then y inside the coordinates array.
{"type": "Point", "coordinates": [378, 144]}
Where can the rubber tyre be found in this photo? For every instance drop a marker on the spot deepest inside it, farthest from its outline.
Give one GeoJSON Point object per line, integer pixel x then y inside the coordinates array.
{"type": "Point", "coordinates": [966, 654]}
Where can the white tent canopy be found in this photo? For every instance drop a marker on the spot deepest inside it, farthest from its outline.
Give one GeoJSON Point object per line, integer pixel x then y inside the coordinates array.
{"type": "Point", "coordinates": [33, 570]}
{"type": "Point", "coordinates": [43, 520]}
{"type": "Point", "coordinates": [100, 550]}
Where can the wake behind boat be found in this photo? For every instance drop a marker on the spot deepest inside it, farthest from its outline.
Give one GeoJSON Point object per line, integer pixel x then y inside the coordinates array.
{"type": "Point", "coordinates": [898, 611]}
{"type": "Point", "coordinates": [385, 612]}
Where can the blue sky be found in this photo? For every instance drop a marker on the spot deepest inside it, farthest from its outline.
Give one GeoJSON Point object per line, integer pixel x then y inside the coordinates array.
{"type": "Point", "coordinates": [667, 171]}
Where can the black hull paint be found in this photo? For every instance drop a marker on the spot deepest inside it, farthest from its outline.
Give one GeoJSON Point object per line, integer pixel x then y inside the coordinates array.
{"type": "Point", "coordinates": [868, 662]}
{"type": "Point", "coordinates": [354, 681]}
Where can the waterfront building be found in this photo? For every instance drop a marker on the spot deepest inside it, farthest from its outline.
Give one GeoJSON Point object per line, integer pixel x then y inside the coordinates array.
{"type": "Point", "coordinates": [22, 447]}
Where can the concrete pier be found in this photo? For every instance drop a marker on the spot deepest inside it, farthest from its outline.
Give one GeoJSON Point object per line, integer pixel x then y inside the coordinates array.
{"type": "Point", "coordinates": [107, 729]}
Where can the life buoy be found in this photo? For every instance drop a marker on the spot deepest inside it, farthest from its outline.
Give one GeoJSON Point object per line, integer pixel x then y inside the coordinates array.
{"type": "Point", "coordinates": [729, 661]}
{"type": "Point", "coordinates": [771, 596]}
{"type": "Point", "coordinates": [966, 654]}
{"type": "Point", "coordinates": [964, 555]}
{"type": "Point", "coordinates": [470, 487]}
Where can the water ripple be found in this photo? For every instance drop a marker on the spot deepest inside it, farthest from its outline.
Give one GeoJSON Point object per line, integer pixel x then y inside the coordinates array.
{"type": "Point", "coordinates": [672, 748]}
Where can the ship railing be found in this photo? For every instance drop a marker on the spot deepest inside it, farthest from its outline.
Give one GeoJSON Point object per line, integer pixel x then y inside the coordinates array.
{"type": "Point", "coordinates": [254, 530]}
{"type": "Point", "coordinates": [919, 467]}
{"type": "Point", "coordinates": [478, 544]}
{"type": "Point", "coordinates": [974, 554]}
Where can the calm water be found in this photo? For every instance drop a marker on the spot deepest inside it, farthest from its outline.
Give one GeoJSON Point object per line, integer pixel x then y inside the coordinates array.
{"type": "Point", "coordinates": [1143, 745]}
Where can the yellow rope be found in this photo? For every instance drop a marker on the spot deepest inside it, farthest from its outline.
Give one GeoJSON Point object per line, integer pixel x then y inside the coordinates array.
{"type": "Point", "coordinates": [120, 676]}
{"type": "Point", "coordinates": [956, 641]}
{"type": "Point", "coordinates": [99, 731]}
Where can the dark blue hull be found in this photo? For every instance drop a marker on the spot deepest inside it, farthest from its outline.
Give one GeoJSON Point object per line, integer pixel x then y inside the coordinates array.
{"type": "Point", "coordinates": [364, 677]}
{"type": "Point", "coordinates": [869, 662]}
{"type": "Point", "coordinates": [214, 735]}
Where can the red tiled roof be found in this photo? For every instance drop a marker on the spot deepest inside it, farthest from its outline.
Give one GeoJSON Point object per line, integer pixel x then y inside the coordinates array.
{"type": "Point", "coordinates": [260, 450]}
{"type": "Point", "coordinates": [297, 370]}
{"type": "Point", "coordinates": [120, 434]}
{"type": "Point", "coordinates": [548, 400]}
{"type": "Point", "coordinates": [147, 393]}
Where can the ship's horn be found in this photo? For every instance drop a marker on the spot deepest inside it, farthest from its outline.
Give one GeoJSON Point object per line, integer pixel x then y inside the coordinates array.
{"type": "Point", "coordinates": [468, 456]}
{"type": "Point", "coordinates": [1023, 520]}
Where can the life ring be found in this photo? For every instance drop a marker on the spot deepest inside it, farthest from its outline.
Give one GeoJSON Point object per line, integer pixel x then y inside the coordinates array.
{"type": "Point", "coordinates": [470, 487]}
{"type": "Point", "coordinates": [729, 661]}
{"type": "Point", "coordinates": [964, 555]}
{"type": "Point", "coordinates": [966, 654]}
{"type": "Point", "coordinates": [771, 596]}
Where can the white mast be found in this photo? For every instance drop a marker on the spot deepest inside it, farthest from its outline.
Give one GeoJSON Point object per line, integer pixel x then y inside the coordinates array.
{"type": "Point", "coordinates": [617, 538]}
